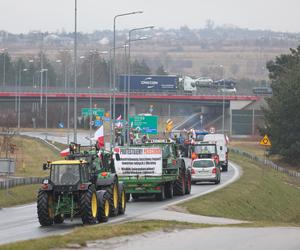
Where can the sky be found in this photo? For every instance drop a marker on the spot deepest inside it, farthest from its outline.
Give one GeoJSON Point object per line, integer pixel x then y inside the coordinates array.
{"type": "Point", "coordinates": [18, 16]}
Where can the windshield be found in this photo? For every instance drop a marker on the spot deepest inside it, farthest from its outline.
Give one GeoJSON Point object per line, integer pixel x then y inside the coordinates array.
{"type": "Point", "coordinates": [205, 149]}
{"type": "Point", "coordinates": [203, 164]}
{"type": "Point", "coordinates": [65, 174]}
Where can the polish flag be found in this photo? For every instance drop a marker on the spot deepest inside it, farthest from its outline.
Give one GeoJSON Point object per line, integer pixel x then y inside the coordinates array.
{"type": "Point", "coordinates": [99, 137]}
{"type": "Point", "coordinates": [119, 124]}
{"type": "Point", "coordinates": [65, 152]}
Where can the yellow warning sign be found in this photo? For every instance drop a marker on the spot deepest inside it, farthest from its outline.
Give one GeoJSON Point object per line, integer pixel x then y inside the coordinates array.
{"type": "Point", "coordinates": [265, 141]}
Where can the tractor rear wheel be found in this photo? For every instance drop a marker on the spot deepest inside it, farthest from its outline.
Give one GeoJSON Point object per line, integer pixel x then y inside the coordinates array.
{"type": "Point", "coordinates": [179, 186]}
{"type": "Point", "coordinates": [103, 206]}
{"type": "Point", "coordinates": [113, 195]}
{"type": "Point", "coordinates": [188, 183]}
{"type": "Point", "coordinates": [122, 199]}
{"type": "Point", "coordinates": [169, 190]}
{"type": "Point", "coordinates": [45, 208]}
{"type": "Point", "coordinates": [89, 206]}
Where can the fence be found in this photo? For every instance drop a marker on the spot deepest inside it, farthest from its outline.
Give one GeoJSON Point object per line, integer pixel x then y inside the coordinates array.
{"type": "Point", "coordinates": [266, 162]}
{"type": "Point", "coordinates": [20, 181]}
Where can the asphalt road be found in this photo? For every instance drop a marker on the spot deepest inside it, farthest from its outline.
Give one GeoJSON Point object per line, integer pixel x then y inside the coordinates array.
{"type": "Point", "coordinates": [20, 223]}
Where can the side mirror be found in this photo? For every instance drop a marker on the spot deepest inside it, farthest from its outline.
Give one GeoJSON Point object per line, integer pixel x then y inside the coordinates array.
{"type": "Point", "coordinates": [118, 157]}
{"type": "Point", "coordinates": [45, 166]}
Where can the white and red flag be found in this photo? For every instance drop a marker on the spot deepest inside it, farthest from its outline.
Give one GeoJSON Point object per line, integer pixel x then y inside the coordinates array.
{"type": "Point", "coordinates": [65, 152]}
{"type": "Point", "coordinates": [99, 137]}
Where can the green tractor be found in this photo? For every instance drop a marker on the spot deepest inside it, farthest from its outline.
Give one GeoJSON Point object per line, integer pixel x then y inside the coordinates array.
{"type": "Point", "coordinates": [84, 185]}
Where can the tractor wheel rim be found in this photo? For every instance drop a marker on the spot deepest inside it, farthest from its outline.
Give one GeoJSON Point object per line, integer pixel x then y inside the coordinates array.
{"type": "Point", "coordinates": [94, 205]}
{"type": "Point", "coordinates": [115, 196]}
{"type": "Point", "coordinates": [106, 208]}
{"type": "Point", "coordinates": [123, 199]}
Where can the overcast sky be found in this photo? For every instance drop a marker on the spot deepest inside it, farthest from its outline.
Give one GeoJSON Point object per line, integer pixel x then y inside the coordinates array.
{"type": "Point", "coordinates": [50, 15]}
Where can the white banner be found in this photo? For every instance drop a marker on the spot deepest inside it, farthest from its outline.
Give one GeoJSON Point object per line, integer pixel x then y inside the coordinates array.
{"type": "Point", "coordinates": [138, 161]}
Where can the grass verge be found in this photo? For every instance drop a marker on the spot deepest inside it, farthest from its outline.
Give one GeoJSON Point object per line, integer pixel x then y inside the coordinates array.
{"type": "Point", "coordinates": [18, 195]}
{"type": "Point", "coordinates": [80, 236]}
{"type": "Point", "coordinates": [30, 154]}
{"type": "Point", "coordinates": [261, 195]}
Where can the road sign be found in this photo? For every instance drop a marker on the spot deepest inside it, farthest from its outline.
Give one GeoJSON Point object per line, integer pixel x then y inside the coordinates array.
{"type": "Point", "coordinates": [265, 141]}
{"type": "Point", "coordinates": [93, 111]}
{"type": "Point", "coordinates": [98, 123]}
{"type": "Point", "coordinates": [147, 124]}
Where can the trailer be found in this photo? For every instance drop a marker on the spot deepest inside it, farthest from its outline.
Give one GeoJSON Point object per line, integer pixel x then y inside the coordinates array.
{"type": "Point", "coordinates": [152, 169]}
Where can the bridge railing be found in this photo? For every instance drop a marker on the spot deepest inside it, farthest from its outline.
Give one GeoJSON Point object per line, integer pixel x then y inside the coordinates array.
{"type": "Point", "coordinates": [83, 90]}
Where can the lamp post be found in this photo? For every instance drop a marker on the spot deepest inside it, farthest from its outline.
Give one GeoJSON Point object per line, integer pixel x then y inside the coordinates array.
{"type": "Point", "coordinates": [114, 68]}
{"type": "Point", "coordinates": [129, 72]}
{"type": "Point", "coordinates": [223, 102]}
{"type": "Point", "coordinates": [75, 74]}
{"type": "Point", "coordinates": [46, 101]}
{"type": "Point", "coordinates": [4, 65]}
{"type": "Point", "coordinates": [19, 97]}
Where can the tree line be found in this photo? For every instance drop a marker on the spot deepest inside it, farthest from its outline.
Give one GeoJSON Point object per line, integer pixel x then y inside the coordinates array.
{"type": "Point", "coordinates": [282, 115]}
{"type": "Point", "coordinates": [93, 70]}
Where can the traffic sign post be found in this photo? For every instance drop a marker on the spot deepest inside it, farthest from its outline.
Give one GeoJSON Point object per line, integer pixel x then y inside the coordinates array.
{"type": "Point", "coordinates": [147, 124]}
{"type": "Point", "coordinates": [93, 111]}
{"type": "Point", "coordinates": [265, 141]}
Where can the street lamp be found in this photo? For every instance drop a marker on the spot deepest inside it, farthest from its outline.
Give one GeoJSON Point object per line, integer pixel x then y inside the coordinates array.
{"type": "Point", "coordinates": [114, 68]}
{"type": "Point", "coordinates": [129, 72]}
{"type": "Point", "coordinates": [75, 74]}
{"type": "Point", "coordinates": [223, 103]}
{"type": "Point", "coordinates": [19, 97]}
{"type": "Point", "coordinates": [4, 65]}
{"type": "Point", "coordinates": [46, 100]}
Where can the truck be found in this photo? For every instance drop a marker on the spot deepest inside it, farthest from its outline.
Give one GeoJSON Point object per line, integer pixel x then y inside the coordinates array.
{"type": "Point", "coordinates": [153, 168]}
{"type": "Point", "coordinates": [204, 150]}
{"type": "Point", "coordinates": [84, 185]}
{"type": "Point", "coordinates": [222, 149]}
{"type": "Point", "coordinates": [148, 83]}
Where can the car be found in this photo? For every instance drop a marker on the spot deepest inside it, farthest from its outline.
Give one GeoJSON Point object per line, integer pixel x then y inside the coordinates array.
{"type": "Point", "coordinates": [204, 82]}
{"type": "Point", "coordinates": [205, 170]}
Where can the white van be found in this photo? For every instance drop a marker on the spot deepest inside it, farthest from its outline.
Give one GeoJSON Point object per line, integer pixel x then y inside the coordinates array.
{"type": "Point", "coordinates": [222, 149]}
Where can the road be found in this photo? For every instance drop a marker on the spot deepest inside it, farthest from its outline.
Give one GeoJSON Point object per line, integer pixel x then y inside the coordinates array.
{"type": "Point", "coordinates": [20, 223]}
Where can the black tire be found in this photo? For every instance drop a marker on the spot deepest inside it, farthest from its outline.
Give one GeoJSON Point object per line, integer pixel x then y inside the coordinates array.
{"type": "Point", "coordinates": [89, 206]}
{"type": "Point", "coordinates": [58, 219]}
{"type": "Point", "coordinates": [169, 190]}
{"type": "Point", "coordinates": [188, 184]}
{"type": "Point", "coordinates": [135, 196]}
{"type": "Point", "coordinates": [179, 185]}
{"type": "Point", "coordinates": [103, 206]}
{"type": "Point", "coordinates": [122, 199]}
{"type": "Point", "coordinates": [162, 195]}
{"type": "Point", "coordinates": [113, 195]}
{"type": "Point", "coordinates": [44, 208]}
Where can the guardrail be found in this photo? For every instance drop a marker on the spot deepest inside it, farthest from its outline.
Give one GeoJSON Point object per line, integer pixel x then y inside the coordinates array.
{"type": "Point", "coordinates": [20, 181]}
{"type": "Point", "coordinates": [266, 162]}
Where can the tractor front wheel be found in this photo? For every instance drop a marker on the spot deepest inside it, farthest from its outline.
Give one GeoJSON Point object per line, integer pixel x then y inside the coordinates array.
{"type": "Point", "coordinates": [122, 199]}
{"type": "Point", "coordinates": [45, 208]}
{"type": "Point", "coordinates": [113, 194]}
{"type": "Point", "coordinates": [89, 206]}
{"type": "Point", "coordinates": [103, 206]}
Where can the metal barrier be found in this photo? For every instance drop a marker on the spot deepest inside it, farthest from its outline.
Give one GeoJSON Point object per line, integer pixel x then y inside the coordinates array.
{"type": "Point", "coordinates": [266, 162]}
{"type": "Point", "coordinates": [20, 181]}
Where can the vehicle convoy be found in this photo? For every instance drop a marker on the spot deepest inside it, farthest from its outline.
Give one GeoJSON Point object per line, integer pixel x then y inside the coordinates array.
{"type": "Point", "coordinates": [153, 168]}
{"type": "Point", "coordinates": [84, 185]}
{"type": "Point", "coordinates": [205, 170]}
{"type": "Point", "coordinates": [222, 149]}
